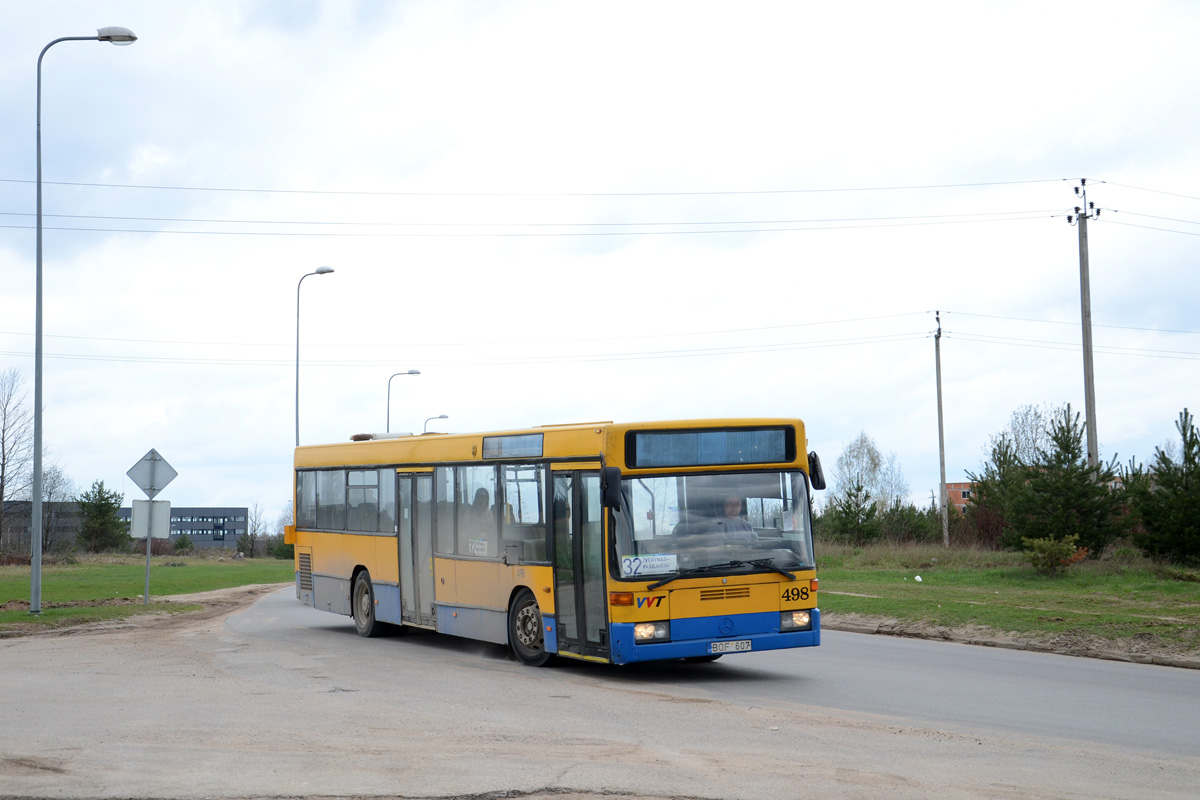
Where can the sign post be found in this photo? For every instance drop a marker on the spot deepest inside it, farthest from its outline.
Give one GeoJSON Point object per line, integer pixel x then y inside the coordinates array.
{"type": "Point", "coordinates": [151, 518]}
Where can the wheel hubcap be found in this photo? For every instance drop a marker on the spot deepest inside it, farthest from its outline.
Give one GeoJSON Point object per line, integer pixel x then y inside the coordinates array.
{"type": "Point", "coordinates": [528, 629]}
{"type": "Point", "coordinates": [364, 604]}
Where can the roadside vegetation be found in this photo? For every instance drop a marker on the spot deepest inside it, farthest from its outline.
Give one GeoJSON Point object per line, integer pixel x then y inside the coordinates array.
{"type": "Point", "coordinates": [93, 588]}
{"type": "Point", "coordinates": [1048, 548]}
{"type": "Point", "coordinates": [1122, 597]}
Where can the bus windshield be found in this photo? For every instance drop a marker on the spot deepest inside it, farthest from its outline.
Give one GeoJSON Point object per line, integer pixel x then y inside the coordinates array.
{"type": "Point", "coordinates": [674, 523]}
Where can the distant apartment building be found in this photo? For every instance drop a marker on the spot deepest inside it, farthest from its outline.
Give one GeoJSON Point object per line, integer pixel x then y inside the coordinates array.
{"type": "Point", "coordinates": [207, 527]}
{"type": "Point", "coordinates": [61, 521]}
{"type": "Point", "coordinates": [958, 495]}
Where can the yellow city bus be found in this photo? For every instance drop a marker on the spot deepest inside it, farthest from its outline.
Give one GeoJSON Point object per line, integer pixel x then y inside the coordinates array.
{"type": "Point", "coordinates": [606, 542]}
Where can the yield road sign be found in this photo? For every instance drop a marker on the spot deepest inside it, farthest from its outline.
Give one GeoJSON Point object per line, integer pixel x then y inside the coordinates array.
{"type": "Point", "coordinates": [152, 473]}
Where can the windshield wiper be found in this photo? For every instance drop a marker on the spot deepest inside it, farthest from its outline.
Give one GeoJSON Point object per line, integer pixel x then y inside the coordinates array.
{"type": "Point", "coordinates": [769, 563]}
{"type": "Point", "coordinates": [761, 563]}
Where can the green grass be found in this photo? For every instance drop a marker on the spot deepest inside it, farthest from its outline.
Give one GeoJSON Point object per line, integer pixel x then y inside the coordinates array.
{"type": "Point", "coordinates": [110, 587]}
{"type": "Point", "coordinates": [1119, 597]}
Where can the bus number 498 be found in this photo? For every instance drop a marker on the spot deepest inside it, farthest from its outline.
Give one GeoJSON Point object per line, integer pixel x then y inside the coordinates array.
{"type": "Point", "coordinates": [795, 593]}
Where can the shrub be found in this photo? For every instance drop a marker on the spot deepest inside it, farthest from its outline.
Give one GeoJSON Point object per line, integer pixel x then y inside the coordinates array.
{"type": "Point", "coordinates": [1049, 556]}
{"type": "Point", "coordinates": [276, 548]}
{"type": "Point", "coordinates": [183, 544]}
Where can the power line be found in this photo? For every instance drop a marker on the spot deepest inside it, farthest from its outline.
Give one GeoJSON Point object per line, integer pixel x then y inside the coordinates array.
{"type": "Point", "coordinates": [1152, 216]}
{"type": "Point", "coordinates": [489, 342]}
{"type": "Point", "coordinates": [522, 235]}
{"type": "Point", "coordinates": [1069, 346]}
{"type": "Point", "coordinates": [1061, 322]}
{"type": "Point", "coordinates": [540, 194]}
{"type": "Point", "coordinates": [1151, 228]}
{"type": "Point", "coordinates": [526, 224]}
{"type": "Point", "coordinates": [502, 361]}
{"type": "Point", "coordinates": [1154, 191]}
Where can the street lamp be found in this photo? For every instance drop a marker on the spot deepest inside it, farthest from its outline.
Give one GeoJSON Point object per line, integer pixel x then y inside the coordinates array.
{"type": "Point", "coordinates": [439, 416]}
{"type": "Point", "coordinates": [119, 36]}
{"type": "Point", "coordinates": [317, 271]}
{"type": "Point", "coordinates": [388, 428]}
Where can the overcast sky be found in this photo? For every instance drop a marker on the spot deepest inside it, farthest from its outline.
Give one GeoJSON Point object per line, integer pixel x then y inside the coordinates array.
{"type": "Point", "coordinates": [562, 212]}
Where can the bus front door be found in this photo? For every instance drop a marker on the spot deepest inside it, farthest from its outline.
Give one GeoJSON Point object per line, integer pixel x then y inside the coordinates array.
{"type": "Point", "coordinates": [579, 565]}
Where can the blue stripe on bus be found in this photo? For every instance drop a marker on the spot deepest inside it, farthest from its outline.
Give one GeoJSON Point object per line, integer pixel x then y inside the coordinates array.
{"type": "Point", "coordinates": [387, 602]}
{"type": "Point", "coordinates": [691, 637]}
{"type": "Point", "coordinates": [487, 626]}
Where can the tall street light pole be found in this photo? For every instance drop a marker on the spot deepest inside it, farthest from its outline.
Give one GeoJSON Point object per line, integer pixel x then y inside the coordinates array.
{"type": "Point", "coordinates": [118, 36]}
{"type": "Point", "coordinates": [388, 427]}
{"type": "Point", "coordinates": [317, 271]}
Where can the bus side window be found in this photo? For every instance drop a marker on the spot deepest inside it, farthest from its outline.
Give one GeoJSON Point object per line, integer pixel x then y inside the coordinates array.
{"type": "Point", "coordinates": [306, 499]}
{"type": "Point", "coordinates": [387, 501]}
{"type": "Point", "coordinates": [331, 500]}
{"type": "Point", "coordinates": [524, 525]}
{"type": "Point", "coordinates": [477, 527]}
{"type": "Point", "coordinates": [362, 500]}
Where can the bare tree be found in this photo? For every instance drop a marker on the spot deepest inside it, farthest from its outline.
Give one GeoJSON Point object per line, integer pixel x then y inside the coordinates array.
{"type": "Point", "coordinates": [893, 486]}
{"type": "Point", "coordinates": [285, 519]}
{"type": "Point", "coordinates": [1027, 432]}
{"type": "Point", "coordinates": [862, 468]}
{"type": "Point", "coordinates": [255, 530]}
{"type": "Point", "coordinates": [57, 490]}
{"type": "Point", "coordinates": [858, 465]}
{"type": "Point", "coordinates": [16, 449]}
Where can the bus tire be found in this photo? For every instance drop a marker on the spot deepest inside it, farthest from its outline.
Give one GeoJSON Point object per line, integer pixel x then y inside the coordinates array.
{"type": "Point", "coordinates": [526, 634]}
{"type": "Point", "coordinates": [362, 602]}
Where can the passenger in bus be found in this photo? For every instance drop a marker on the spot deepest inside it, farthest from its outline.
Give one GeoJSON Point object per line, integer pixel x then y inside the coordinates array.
{"type": "Point", "coordinates": [731, 522]}
{"type": "Point", "coordinates": [480, 514]}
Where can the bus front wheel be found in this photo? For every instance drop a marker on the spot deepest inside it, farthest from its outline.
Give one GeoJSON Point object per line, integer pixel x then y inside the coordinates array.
{"type": "Point", "coordinates": [525, 630]}
{"type": "Point", "coordinates": [362, 602]}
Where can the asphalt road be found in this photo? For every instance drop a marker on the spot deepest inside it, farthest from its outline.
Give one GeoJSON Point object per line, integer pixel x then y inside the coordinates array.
{"type": "Point", "coordinates": [280, 700]}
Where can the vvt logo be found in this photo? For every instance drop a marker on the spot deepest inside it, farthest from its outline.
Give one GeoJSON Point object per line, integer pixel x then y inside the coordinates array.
{"type": "Point", "coordinates": [651, 602]}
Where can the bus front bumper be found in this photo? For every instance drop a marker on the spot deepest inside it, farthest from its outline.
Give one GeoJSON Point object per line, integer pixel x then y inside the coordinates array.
{"type": "Point", "coordinates": [708, 636]}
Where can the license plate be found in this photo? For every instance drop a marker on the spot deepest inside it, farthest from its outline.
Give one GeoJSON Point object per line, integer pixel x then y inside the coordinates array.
{"type": "Point", "coordinates": [729, 647]}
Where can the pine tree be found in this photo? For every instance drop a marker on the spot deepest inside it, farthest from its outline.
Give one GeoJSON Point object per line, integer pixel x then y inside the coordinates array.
{"type": "Point", "coordinates": [102, 528]}
{"type": "Point", "coordinates": [994, 491]}
{"type": "Point", "coordinates": [1063, 496]}
{"type": "Point", "coordinates": [1167, 500]}
{"type": "Point", "coordinates": [853, 516]}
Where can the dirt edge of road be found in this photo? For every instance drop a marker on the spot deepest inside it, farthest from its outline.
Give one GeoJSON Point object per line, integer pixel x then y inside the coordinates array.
{"type": "Point", "coordinates": [1136, 650]}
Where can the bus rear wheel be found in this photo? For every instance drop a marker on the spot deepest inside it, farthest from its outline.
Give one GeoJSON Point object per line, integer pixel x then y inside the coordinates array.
{"type": "Point", "coordinates": [525, 630]}
{"type": "Point", "coordinates": [362, 603]}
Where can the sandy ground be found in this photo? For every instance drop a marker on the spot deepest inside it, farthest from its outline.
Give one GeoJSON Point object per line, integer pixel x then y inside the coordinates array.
{"type": "Point", "coordinates": [719, 749]}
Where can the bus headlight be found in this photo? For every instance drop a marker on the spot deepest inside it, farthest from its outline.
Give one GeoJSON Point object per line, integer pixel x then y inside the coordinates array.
{"type": "Point", "coordinates": [652, 631]}
{"type": "Point", "coordinates": [795, 621]}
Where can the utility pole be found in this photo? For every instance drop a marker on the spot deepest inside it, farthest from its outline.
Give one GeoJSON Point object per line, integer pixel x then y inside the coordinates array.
{"type": "Point", "coordinates": [1082, 215]}
{"type": "Point", "coordinates": [937, 357]}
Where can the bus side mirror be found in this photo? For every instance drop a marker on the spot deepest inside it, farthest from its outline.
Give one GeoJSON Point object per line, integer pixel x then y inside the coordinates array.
{"type": "Point", "coordinates": [815, 475]}
{"type": "Point", "coordinates": [610, 486]}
